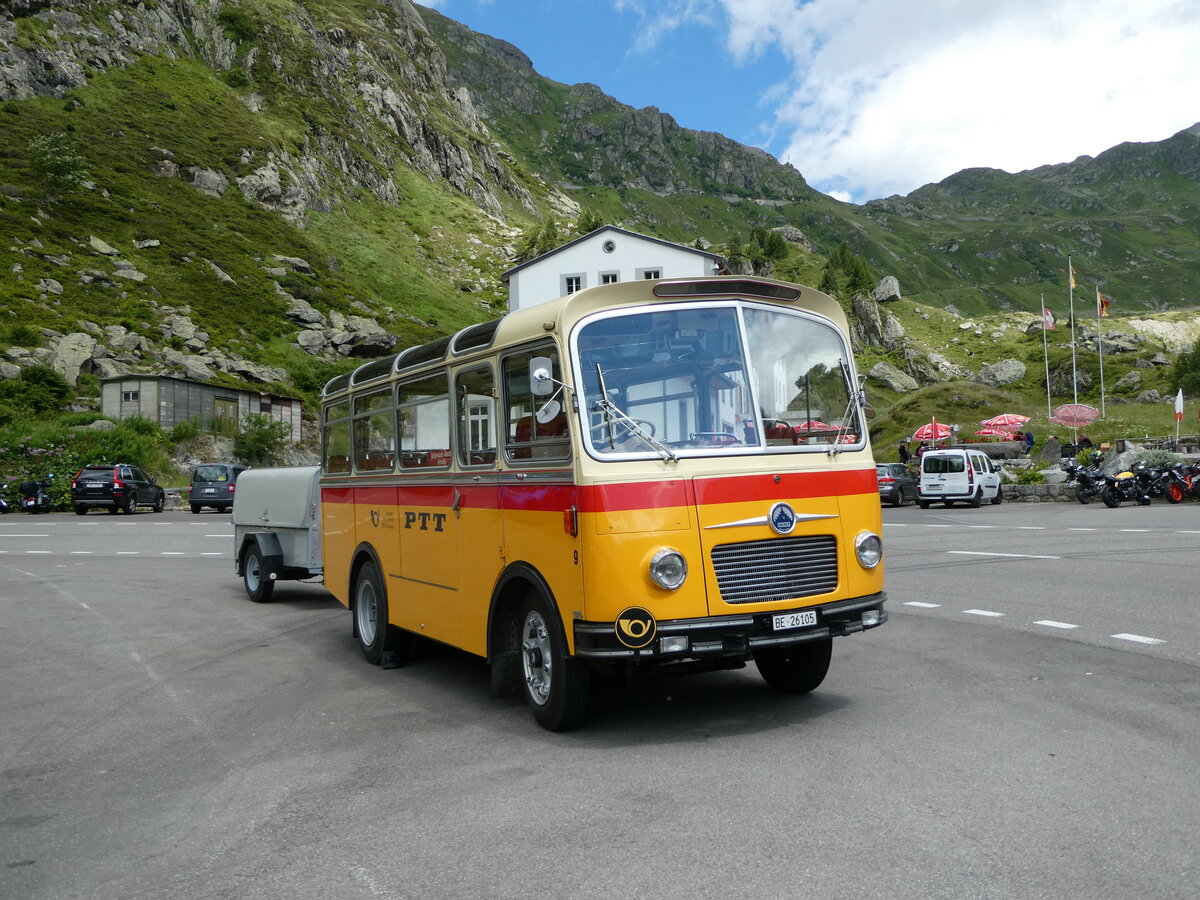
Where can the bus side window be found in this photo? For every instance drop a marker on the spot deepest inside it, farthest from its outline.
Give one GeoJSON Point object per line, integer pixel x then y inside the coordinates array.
{"type": "Point", "coordinates": [423, 411]}
{"type": "Point", "coordinates": [336, 434]}
{"type": "Point", "coordinates": [475, 392]}
{"type": "Point", "coordinates": [525, 437]}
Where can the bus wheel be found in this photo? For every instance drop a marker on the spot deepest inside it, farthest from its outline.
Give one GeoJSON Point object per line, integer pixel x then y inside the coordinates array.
{"type": "Point", "coordinates": [555, 685]}
{"type": "Point", "coordinates": [797, 669]}
{"type": "Point", "coordinates": [258, 589]}
{"type": "Point", "coordinates": [370, 612]}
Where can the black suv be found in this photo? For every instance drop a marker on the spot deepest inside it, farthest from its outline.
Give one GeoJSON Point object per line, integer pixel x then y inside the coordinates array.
{"type": "Point", "coordinates": [115, 487]}
{"type": "Point", "coordinates": [213, 485]}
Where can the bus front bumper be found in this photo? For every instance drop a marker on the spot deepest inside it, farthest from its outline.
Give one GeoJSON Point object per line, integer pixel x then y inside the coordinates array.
{"type": "Point", "coordinates": [731, 636]}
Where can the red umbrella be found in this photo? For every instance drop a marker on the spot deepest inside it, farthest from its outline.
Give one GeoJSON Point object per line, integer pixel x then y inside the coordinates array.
{"type": "Point", "coordinates": [1075, 415]}
{"type": "Point", "coordinates": [994, 432]}
{"type": "Point", "coordinates": [1004, 421]}
{"type": "Point", "coordinates": [814, 425]}
{"type": "Point", "coordinates": [932, 431]}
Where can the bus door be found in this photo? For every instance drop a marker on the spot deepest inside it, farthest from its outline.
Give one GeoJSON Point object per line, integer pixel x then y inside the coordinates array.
{"type": "Point", "coordinates": [423, 593]}
{"type": "Point", "coordinates": [475, 514]}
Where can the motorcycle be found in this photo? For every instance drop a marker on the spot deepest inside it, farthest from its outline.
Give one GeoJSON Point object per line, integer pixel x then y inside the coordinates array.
{"type": "Point", "coordinates": [1089, 480]}
{"type": "Point", "coordinates": [1155, 480]}
{"type": "Point", "coordinates": [35, 495]}
{"type": "Point", "coordinates": [4, 507]}
{"type": "Point", "coordinates": [1124, 486]}
{"type": "Point", "coordinates": [1183, 482]}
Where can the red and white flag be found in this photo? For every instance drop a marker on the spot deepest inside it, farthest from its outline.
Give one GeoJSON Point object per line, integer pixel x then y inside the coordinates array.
{"type": "Point", "coordinates": [1179, 406]}
{"type": "Point", "coordinates": [1047, 319]}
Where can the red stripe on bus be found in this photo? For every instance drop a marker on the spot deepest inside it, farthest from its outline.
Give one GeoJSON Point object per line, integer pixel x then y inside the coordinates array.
{"type": "Point", "coordinates": [602, 498]}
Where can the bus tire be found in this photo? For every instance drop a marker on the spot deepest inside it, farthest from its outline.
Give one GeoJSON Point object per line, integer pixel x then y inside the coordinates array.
{"type": "Point", "coordinates": [555, 684]}
{"type": "Point", "coordinates": [258, 589]}
{"type": "Point", "coordinates": [797, 669]}
{"type": "Point", "coordinates": [370, 612]}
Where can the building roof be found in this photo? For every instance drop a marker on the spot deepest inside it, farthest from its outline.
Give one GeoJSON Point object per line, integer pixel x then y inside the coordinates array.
{"type": "Point", "coordinates": [130, 376]}
{"type": "Point", "coordinates": [613, 228]}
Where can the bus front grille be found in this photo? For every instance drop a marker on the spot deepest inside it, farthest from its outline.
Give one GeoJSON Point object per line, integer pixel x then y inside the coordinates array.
{"type": "Point", "coordinates": [777, 569]}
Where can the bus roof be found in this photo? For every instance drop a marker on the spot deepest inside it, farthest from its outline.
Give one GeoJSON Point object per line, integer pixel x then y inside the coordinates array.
{"type": "Point", "coordinates": [561, 314]}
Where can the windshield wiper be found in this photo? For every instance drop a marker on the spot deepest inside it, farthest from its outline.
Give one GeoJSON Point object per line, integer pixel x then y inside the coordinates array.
{"type": "Point", "coordinates": [613, 412]}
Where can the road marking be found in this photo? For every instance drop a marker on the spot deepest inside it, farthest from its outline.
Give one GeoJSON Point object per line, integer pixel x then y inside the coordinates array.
{"type": "Point", "coordinates": [1031, 528]}
{"type": "Point", "coordinates": [981, 526]}
{"type": "Point", "coordinates": [212, 553]}
{"type": "Point", "coordinates": [1011, 555]}
{"type": "Point", "coordinates": [982, 612]}
{"type": "Point", "coordinates": [1137, 638]}
{"type": "Point", "coordinates": [1050, 623]}
{"type": "Point", "coordinates": [128, 552]}
{"type": "Point", "coordinates": [172, 553]}
{"type": "Point", "coordinates": [24, 535]}
{"type": "Point", "coordinates": [81, 552]}
{"type": "Point", "coordinates": [229, 535]}
{"type": "Point", "coordinates": [1187, 532]}
{"type": "Point", "coordinates": [939, 526]}
{"type": "Point", "coordinates": [922, 605]}
{"type": "Point", "coordinates": [1083, 529]}
{"type": "Point", "coordinates": [1135, 530]}
{"type": "Point", "coordinates": [38, 551]}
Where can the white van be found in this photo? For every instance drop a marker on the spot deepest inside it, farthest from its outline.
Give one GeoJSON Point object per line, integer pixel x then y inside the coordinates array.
{"type": "Point", "coordinates": [958, 474]}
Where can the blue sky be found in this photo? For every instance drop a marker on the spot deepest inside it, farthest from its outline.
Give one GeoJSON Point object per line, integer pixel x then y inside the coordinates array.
{"type": "Point", "coordinates": [869, 98]}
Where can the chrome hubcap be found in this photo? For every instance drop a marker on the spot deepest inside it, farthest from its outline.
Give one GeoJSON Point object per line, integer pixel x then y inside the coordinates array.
{"type": "Point", "coordinates": [366, 608]}
{"type": "Point", "coordinates": [535, 657]}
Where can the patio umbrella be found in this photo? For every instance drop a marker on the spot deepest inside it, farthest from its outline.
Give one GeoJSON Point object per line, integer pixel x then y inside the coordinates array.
{"type": "Point", "coordinates": [814, 425]}
{"type": "Point", "coordinates": [1075, 415]}
{"type": "Point", "coordinates": [994, 432]}
{"type": "Point", "coordinates": [1005, 421]}
{"type": "Point", "coordinates": [932, 431]}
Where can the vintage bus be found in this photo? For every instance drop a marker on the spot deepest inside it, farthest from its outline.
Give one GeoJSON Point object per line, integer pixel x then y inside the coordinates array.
{"type": "Point", "coordinates": [638, 477]}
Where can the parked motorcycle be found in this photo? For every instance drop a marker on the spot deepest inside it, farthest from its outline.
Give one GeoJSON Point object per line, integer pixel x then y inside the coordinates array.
{"type": "Point", "coordinates": [35, 495]}
{"type": "Point", "coordinates": [4, 507]}
{"type": "Point", "coordinates": [1154, 479]}
{"type": "Point", "coordinates": [1089, 480]}
{"type": "Point", "coordinates": [1182, 482]}
{"type": "Point", "coordinates": [1124, 486]}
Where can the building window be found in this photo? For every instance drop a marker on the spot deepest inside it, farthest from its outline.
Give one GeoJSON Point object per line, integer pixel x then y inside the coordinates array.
{"type": "Point", "coordinates": [610, 277]}
{"type": "Point", "coordinates": [130, 396]}
{"type": "Point", "coordinates": [609, 246]}
{"type": "Point", "coordinates": [572, 283]}
{"type": "Point", "coordinates": [650, 274]}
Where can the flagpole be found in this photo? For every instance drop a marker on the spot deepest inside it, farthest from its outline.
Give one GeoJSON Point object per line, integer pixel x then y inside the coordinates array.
{"type": "Point", "coordinates": [1046, 355]}
{"type": "Point", "coordinates": [1071, 296]}
{"type": "Point", "coordinates": [1100, 344]}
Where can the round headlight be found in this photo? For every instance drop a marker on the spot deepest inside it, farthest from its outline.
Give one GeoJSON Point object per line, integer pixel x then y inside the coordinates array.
{"type": "Point", "coordinates": [668, 569]}
{"type": "Point", "coordinates": [869, 549]}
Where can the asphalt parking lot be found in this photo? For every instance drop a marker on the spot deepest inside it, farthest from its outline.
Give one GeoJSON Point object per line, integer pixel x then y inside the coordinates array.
{"type": "Point", "coordinates": [165, 737]}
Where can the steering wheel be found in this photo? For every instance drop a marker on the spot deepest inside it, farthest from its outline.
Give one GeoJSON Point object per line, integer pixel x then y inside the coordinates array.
{"type": "Point", "coordinates": [715, 438]}
{"type": "Point", "coordinates": [621, 432]}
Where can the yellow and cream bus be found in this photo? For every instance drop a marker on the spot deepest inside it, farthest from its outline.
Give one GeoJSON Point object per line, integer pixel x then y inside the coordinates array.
{"type": "Point", "coordinates": [638, 477]}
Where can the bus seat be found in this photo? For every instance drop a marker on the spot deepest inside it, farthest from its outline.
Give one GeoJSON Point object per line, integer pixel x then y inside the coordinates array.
{"type": "Point", "coordinates": [555, 428]}
{"type": "Point", "coordinates": [338, 464]}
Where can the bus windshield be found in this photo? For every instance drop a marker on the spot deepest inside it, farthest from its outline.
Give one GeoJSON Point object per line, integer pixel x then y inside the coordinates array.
{"type": "Point", "coordinates": [714, 378]}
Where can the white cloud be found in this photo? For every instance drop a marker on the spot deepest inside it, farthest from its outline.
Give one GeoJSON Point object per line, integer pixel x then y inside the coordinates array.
{"type": "Point", "coordinates": [886, 96]}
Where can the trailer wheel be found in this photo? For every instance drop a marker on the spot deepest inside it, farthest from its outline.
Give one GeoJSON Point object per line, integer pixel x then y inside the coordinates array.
{"type": "Point", "coordinates": [370, 612]}
{"type": "Point", "coordinates": [555, 684]}
{"type": "Point", "coordinates": [258, 589]}
{"type": "Point", "coordinates": [797, 669]}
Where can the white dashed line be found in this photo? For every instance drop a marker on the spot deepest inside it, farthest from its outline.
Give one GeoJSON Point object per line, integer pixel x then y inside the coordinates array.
{"type": "Point", "coordinates": [1031, 528]}
{"type": "Point", "coordinates": [81, 552]}
{"type": "Point", "coordinates": [1010, 555]}
{"type": "Point", "coordinates": [1137, 638]}
{"type": "Point", "coordinates": [173, 553]}
{"type": "Point", "coordinates": [38, 551]}
{"type": "Point", "coordinates": [1050, 623]}
{"type": "Point", "coordinates": [1136, 530]}
{"type": "Point", "coordinates": [212, 553]}
{"type": "Point", "coordinates": [128, 552]}
{"type": "Point", "coordinates": [982, 612]}
{"type": "Point", "coordinates": [1083, 529]}
{"type": "Point", "coordinates": [922, 605]}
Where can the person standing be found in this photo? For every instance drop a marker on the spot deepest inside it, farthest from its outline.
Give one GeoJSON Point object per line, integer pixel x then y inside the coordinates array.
{"type": "Point", "coordinates": [905, 453]}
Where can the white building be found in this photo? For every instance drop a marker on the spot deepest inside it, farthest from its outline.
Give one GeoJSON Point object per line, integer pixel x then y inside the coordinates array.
{"type": "Point", "coordinates": [607, 255]}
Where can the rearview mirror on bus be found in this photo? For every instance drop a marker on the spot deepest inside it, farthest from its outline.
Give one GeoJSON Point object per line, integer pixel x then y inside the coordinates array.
{"type": "Point", "coordinates": [540, 380]}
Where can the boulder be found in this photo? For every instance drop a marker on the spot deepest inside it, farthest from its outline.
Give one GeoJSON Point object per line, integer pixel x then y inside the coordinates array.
{"type": "Point", "coordinates": [892, 378]}
{"type": "Point", "coordinates": [101, 247]}
{"type": "Point", "coordinates": [1007, 371]}
{"type": "Point", "coordinates": [311, 341]}
{"type": "Point", "coordinates": [71, 355]}
{"type": "Point", "coordinates": [888, 290]}
{"type": "Point", "coordinates": [208, 181]}
{"type": "Point", "coordinates": [1130, 381]}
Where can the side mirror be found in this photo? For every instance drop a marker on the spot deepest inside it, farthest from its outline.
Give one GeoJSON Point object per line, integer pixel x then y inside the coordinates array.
{"type": "Point", "coordinates": [541, 383]}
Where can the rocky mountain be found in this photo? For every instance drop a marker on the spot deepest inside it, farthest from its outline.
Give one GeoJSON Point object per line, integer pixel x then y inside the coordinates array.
{"type": "Point", "coordinates": [263, 198]}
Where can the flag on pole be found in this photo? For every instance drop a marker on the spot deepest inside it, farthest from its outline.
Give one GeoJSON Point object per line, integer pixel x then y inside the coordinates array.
{"type": "Point", "coordinates": [1179, 406]}
{"type": "Point", "coordinates": [1102, 304]}
{"type": "Point", "coordinates": [1047, 319]}
{"type": "Point", "coordinates": [1071, 275]}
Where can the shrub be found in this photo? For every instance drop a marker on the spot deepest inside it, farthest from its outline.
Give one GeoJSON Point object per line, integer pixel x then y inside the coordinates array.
{"type": "Point", "coordinates": [1163, 459]}
{"type": "Point", "coordinates": [261, 440]}
{"type": "Point", "coordinates": [185, 431]}
{"type": "Point", "coordinates": [38, 390]}
{"type": "Point", "coordinates": [1031, 476]}
{"type": "Point", "coordinates": [54, 161]}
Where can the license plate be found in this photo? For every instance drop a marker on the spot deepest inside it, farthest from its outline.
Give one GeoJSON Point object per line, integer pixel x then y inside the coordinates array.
{"type": "Point", "coordinates": [933, 488]}
{"type": "Point", "coordinates": [793, 620]}
{"type": "Point", "coordinates": [210, 490]}
{"type": "Point", "coordinates": [93, 484]}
